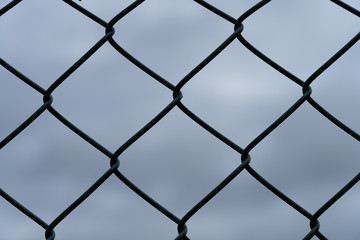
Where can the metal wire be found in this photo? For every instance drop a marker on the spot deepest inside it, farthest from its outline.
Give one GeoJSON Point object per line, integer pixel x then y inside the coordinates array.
{"type": "Point", "coordinates": [244, 152]}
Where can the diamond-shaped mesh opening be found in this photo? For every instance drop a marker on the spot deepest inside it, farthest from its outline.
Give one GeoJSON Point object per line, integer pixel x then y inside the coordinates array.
{"type": "Point", "coordinates": [337, 89]}
{"type": "Point", "coordinates": [171, 37]}
{"type": "Point", "coordinates": [250, 92]}
{"type": "Point", "coordinates": [114, 103]}
{"type": "Point", "coordinates": [36, 37]}
{"type": "Point", "coordinates": [69, 167]}
{"type": "Point", "coordinates": [308, 167]}
{"type": "Point", "coordinates": [14, 112]}
{"type": "Point", "coordinates": [295, 33]}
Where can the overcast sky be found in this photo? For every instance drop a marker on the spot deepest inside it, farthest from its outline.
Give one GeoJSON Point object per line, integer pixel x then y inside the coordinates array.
{"type": "Point", "coordinates": [177, 162]}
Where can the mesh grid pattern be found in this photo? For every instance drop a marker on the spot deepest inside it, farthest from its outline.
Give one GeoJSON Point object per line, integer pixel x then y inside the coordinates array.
{"type": "Point", "coordinates": [244, 152]}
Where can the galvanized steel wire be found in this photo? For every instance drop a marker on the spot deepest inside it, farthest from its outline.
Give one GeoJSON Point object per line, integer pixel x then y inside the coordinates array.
{"type": "Point", "coordinates": [243, 151]}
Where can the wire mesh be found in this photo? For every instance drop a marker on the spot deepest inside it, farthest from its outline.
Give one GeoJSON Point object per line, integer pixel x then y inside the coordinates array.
{"type": "Point", "coordinates": [244, 152]}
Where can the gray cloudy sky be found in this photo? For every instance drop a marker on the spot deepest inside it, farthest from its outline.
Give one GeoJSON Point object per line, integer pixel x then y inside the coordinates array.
{"type": "Point", "coordinates": [177, 162]}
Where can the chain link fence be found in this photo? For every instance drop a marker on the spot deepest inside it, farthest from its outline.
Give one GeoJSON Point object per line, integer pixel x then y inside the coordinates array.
{"type": "Point", "coordinates": [244, 152]}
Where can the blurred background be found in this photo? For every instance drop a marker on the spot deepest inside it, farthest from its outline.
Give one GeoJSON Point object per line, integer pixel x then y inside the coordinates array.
{"type": "Point", "coordinates": [177, 162]}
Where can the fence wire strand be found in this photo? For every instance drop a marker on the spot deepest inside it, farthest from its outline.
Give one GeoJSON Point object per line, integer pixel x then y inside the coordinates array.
{"type": "Point", "coordinates": [244, 152]}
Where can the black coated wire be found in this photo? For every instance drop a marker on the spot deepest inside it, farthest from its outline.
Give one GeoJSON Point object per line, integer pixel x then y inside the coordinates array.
{"type": "Point", "coordinates": [244, 153]}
